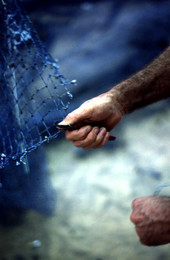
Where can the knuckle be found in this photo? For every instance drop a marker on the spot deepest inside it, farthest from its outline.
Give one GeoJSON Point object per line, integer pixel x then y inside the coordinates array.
{"type": "Point", "coordinates": [91, 139]}
{"type": "Point", "coordinates": [99, 139]}
{"type": "Point", "coordinates": [86, 148]}
{"type": "Point", "coordinates": [97, 146]}
{"type": "Point", "coordinates": [88, 139]}
{"type": "Point", "coordinates": [78, 144]}
{"type": "Point", "coordinates": [68, 136]}
{"type": "Point", "coordinates": [81, 135]}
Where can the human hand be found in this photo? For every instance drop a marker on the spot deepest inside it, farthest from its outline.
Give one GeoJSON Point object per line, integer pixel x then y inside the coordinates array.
{"type": "Point", "coordinates": [151, 216]}
{"type": "Point", "coordinates": [97, 116]}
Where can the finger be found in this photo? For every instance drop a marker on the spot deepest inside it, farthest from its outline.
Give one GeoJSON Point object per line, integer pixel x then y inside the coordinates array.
{"type": "Point", "coordinates": [79, 134]}
{"type": "Point", "coordinates": [100, 140]}
{"type": "Point", "coordinates": [77, 115]}
{"type": "Point", "coordinates": [103, 142]}
{"type": "Point", "coordinates": [96, 138]}
{"type": "Point", "coordinates": [90, 138]}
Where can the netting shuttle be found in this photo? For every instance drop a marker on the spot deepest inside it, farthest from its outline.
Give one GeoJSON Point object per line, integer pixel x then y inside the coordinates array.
{"type": "Point", "coordinates": [77, 126]}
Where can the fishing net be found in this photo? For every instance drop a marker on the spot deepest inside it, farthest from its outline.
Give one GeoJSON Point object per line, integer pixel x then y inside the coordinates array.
{"type": "Point", "coordinates": [34, 94]}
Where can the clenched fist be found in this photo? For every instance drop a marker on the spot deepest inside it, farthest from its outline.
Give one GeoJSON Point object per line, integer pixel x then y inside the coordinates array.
{"type": "Point", "coordinates": [151, 216]}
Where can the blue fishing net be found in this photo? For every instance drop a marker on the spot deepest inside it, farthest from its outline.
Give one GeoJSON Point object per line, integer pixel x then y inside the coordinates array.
{"type": "Point", "coordinates": [34, 94]}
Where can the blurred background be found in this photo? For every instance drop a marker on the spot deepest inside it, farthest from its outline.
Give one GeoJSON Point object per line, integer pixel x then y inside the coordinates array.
{"type": "Point", "coordinates": [76, 204]}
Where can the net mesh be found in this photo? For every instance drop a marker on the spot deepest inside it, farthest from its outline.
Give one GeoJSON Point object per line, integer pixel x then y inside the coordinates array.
{"type": "Point", "coordinates": [34, 94]}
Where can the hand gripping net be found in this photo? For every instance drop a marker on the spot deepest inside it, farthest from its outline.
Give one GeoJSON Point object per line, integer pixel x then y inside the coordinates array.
{"type": "Point", "coordinates": [33, 93]}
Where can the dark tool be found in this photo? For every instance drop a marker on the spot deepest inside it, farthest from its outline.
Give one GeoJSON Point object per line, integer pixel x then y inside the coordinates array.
{"type": "Point", "coordinates": [74, 127]}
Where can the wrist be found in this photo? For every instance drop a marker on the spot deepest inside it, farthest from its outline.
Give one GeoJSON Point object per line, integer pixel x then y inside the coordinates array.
{"type": "Point", "coordinates": [121, 98]}
{"type": "Point", "coordinates": [147, 86]}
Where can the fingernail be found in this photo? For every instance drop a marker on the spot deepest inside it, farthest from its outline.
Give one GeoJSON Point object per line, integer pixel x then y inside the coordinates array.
{"type": "Point", "coordinates": [62, 123]}
{"type": "Point", "coordinates": [88, 129]}
{"type": "Point", "coordinates": [102, 131]}
{"type": "Point", "coordinates": [96, 130]}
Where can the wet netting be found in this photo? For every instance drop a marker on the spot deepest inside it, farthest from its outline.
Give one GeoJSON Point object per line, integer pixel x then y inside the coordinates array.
{"type": "Point", "coordinates": [34, 94]}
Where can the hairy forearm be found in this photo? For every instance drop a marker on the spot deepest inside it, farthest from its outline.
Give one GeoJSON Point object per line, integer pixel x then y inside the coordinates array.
{"type": "Point", "coordinates": [146, 87]}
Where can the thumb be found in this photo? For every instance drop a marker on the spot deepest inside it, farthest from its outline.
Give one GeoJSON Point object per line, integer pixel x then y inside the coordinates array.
{"type": "Point", "coordinates": [76, 116]}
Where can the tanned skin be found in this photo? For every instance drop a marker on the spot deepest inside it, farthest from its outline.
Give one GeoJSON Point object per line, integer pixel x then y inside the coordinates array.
{"type": "Point", "coordinates": [146, 87]}
{"type": "Point", "coordinates": [103, 112]}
